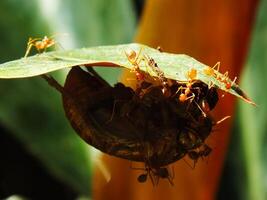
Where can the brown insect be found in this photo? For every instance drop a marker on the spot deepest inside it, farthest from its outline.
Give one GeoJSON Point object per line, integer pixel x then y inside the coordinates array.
{"type": "Point", "coordinates": [41, 44]}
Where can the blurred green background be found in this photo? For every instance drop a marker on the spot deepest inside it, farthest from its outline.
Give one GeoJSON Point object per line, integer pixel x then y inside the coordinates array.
{"type": "Point", "coordinates": [42, 157]}
{"type": "Point", "coordinates": [245, 171]}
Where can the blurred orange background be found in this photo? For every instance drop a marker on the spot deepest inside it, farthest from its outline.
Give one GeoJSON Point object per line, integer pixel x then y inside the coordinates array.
{"type": "Point", "coordinates": [210, 31]}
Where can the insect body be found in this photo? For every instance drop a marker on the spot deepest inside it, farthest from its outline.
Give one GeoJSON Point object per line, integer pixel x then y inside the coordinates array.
{"type": "Point", "coordinates": [186, 91]}
{"type": "Point", "coordinates": [213, 72]}
{"type": "Point", "coordinates": [41, 44]}
{"type": "Point", "coordinates": [151, 63]}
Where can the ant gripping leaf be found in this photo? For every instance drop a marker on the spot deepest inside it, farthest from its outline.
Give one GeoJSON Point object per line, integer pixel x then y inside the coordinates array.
{"type": "Point", "coordinates": [130, 56]}
{"type": "Point", "coordinates": [41, 44]}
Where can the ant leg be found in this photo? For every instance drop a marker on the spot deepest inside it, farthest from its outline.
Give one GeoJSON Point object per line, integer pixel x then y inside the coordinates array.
{"type": "Point", "coordinates": [138, 54]}
{"type": "Point", "coordinates": [195, 162]}
{"type": "Point", "coordinates": [180, 88]}
{"type": "Point", "coordinates": [171, 181]}
{"type": "Point", "coordinates": [217, 65]}
{"type": "Point", "coordinates": [58, 46]}
{"type": "Point", "coordinates": [191, 98]}
{"type": "Point", "coordinates": [211, 84]}
{"type": "Point", "coordinates": [29, 47]}
{"type": "Point", "coordinates": [151, 177]}
{"type": "Point", "coordinates": [234, 80]}
{"type": "Point", "coordinates": [187, 163]}
{"type": "Point", "coordinates": [203, 113]}
{"type": "Point", "coordinates": [42, 51]}
{"type": "Point", "coordinates": [226, 74]}
{"type": "Point", "coordinates": [221, 120]}
{"type": "Point", "coordinates": [113, 111]}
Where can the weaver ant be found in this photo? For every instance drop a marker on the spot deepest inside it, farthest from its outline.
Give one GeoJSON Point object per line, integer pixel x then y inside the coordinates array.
{"type": "Point", "coordinates": [195, 155]}
{"type": "Point", "coordinates": [134, 59]}
{"type": "Point", "coordinates": [160, 74]}
{"type": "Point", "coordinates": [187, 93]}
{"type": "Point", "coordinates": [222, 78]}
{"type": "Point", "coordinates": [155, 174]}
{"type": "Point", "coordinates": [41, 44]}
{"type": "Point", "coordinates": [184, 96]}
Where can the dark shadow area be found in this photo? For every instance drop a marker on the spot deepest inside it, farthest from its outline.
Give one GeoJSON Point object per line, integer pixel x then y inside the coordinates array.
{"type": "Point", "coordinates": [23, 174]}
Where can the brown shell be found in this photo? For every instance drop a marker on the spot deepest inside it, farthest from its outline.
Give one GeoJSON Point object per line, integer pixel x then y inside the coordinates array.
{"type": "Point", "coordinates": [111, 120]}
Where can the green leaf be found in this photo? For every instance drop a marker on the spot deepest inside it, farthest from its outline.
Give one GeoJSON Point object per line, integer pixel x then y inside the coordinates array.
{"type": "Point", "coordinates": [174, 66]}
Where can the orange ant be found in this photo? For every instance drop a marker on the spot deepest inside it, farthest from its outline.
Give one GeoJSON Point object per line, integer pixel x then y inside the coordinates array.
{"type": "Point", "coordinates": [187, 94]}
{"type": "Point", "coordinates": [222, 78]}
{"type": "Point", "coordinates": [134, 59]}
{"type": "Point", "coordinates": [184, 96]}
{"type": "Point", "coordinates": [210, 71]}
{"type": "Point", "coordinates": [41, 44]}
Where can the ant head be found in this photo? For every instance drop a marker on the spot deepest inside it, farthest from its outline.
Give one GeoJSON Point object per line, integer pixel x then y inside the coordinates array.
{"type": "Point", "coordinates": [142, 178]}
{"type": "Point", "coordinates": [131, 55]}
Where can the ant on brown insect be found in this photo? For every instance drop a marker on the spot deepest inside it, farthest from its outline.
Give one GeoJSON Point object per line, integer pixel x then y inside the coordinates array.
{"type": "Point", "coordinates": [184, 96]}
{"type": "Point", "coordinates": [155, 174]}
{"type": "Point", "coordinates": [134, 59]}
{"type": "Point", "coordinates": [151, 63]}
{"type": "Point", "coordinates": [195, 155]}
{"type": "Point", "coordinates": [186, 91]}
{"type": "Point", "coordinates": [41, 44]}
